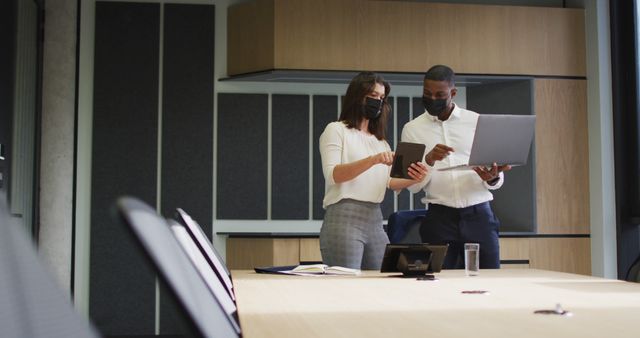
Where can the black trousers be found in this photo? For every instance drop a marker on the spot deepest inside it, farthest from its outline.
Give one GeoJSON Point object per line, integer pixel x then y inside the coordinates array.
{"type": "Point", "coordinates": [456, 226]}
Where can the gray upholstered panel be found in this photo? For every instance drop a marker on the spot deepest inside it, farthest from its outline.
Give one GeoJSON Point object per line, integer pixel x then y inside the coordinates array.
{"type": "Point", "coordinates": [387, 205]}
{"type": "Point", "coordinates": [241, 178]}
{"type": "Point", "coordinates": [290, 157]}
{"type": "Point", "coordinates": [187, 122]}
{"type": "Point", "coordinates": [418, 109]}
{"type": "Point", "coordinates": [325, 110]}
{"type": "Point", "coordinates": [514, 202]}
{"type": "Point", "coordinates": [124, 161]}
{"type": "Point", "coordinates": [403, 115]}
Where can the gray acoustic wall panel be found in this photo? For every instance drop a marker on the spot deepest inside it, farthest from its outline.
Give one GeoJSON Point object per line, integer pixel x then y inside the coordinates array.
{"type": "Point", "coordinates": [514, 202]}
{"type": "Point", "coordinates": [403, 115]}
{"type": "Point", "coordinates": [325, 110]}
{"type": "Point", "coordinates": [242, 134]}
{"type": "Point", "coordinates": [418, 109]}
{"type": "Point", "coordinates": [124, 161]}
{"type": "Point", "coordinates": [187, 121]}
{"type": "Point", "coordinates": [290, 157]}
{"type": "Point", "coordinates": [387, 205]}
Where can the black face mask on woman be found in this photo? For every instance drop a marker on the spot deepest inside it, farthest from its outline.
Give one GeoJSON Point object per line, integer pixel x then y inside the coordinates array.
{"type": "Point", "coordinates": [434, 107]}
{"type": "Point", "coordinates": [372, 108]}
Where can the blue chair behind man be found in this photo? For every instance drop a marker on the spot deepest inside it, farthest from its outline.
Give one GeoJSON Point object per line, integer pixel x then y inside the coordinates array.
{"type": "Point", "coordinates": [404, 226]}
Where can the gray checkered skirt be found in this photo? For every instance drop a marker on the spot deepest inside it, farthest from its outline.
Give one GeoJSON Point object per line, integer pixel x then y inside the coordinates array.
{"type": "Point", "coordinates": [352, 235]}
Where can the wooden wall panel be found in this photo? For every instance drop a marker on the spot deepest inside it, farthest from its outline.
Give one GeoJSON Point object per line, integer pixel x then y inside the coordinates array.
{"type": "Point", "coordinates": [319, 34]}
{"type": "Point", "coordinates": [568, 254]}
{"type": "Point", "coordinates": [310, 250]}
{"type": "Point", "coordinates": [514, 248]}
{"type": "Point", "coordinates": [248, 253]}
{"type": "Point", "coordinates": [561, 254]}
{"type": "Point", "coordinates": [562, 157]}
{"type": "Point", "coordinates": [250, 37]}
{"type": "Point", "coordinates": [409, 37]}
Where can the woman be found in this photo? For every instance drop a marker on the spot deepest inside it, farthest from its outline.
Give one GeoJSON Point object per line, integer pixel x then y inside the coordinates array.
{"type": "Point", "coordinates": [356, 160]}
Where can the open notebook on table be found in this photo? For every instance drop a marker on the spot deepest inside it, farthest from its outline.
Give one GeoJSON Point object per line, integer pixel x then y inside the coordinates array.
{"type": "Point", "coordinates": [309, 270]}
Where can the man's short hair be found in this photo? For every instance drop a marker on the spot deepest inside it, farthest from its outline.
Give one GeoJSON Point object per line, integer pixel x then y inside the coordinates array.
{"type": "Point", "coordinates": [441, 73]}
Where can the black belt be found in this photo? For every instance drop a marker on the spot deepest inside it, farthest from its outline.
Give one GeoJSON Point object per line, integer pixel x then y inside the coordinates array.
{"type": "Point", "coordinates": [471, 208]}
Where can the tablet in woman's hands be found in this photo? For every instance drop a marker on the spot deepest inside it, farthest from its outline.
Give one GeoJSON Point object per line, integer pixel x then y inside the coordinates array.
{"type": "Point", "coordinates": [406, 153]}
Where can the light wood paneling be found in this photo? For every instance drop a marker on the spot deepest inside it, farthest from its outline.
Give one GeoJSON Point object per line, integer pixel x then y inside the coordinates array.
{"type": "Point", "coordinates": [561, 254]}
{"type": "Point", "coordinates": [408, 37]}
{"type": "Point", "coordinates": [247, 253]}
{"type": "Point", "coordinates": [250, 38]}
{"type": "Point", "coordinates": [562, 157]}
{"type": "Point", "coordinates": [557, 254]}
{"type": "Point", "coordinates": [514, 248]}
{"type": "Point", "coordinates": [310, 250]}
{"type": "Point", "coordinates": [514, 266]}
{"type": "Point", "coordinates": [319, 34]}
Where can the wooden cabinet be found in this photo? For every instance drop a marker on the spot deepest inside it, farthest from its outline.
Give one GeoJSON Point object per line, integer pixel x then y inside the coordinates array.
{"type": "Point", "coordinates": [399, 36]}
{"type": "Point", "coordinates": [565, 254]}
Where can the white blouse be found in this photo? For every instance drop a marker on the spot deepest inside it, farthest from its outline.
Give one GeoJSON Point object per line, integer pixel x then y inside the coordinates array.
{"type": "Point", "coordinates": [340, 145]}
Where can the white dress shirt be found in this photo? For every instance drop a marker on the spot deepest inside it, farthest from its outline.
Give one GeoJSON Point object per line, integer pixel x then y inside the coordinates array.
{"type": "Point", "coordinates": [341, 145]}
{"type": "Point", "coordinates": [452, 188]}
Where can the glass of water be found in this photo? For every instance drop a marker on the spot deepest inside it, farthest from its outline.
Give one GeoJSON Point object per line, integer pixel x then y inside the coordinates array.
{"type": "Point", "coordinates": [472, 259]}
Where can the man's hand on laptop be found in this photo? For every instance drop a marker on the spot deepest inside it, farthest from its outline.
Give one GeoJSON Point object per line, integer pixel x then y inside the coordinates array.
{"type": "Point", "coordinates": [438, 152]}
{"type": "Point", "coordinates": [491, 174]}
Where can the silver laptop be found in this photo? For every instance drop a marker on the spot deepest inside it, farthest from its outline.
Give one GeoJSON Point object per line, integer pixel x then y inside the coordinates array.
{"type": "Point", "coordinates": [500, 139]}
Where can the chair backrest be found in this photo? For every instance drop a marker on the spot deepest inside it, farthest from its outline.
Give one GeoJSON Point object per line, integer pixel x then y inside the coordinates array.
{"type": "Point", "coordinates": [404, 226]}
{"type": "Point", "coordinates": [210, 253]}
{"type": "Point", "coordinates": [31, 302]}
{"type": "Point", "coordinates": [633, 275]}
{"type": "Point", "coordinates": [204, 312]}
{"type": "Point", "coordinates": [210, 278]}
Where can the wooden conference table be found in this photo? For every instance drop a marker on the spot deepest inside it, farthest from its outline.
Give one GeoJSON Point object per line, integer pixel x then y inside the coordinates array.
{"type": "Point", "coordinates": [376, 305]}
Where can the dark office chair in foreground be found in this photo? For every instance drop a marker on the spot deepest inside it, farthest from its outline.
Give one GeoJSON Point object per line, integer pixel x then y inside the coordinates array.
{"type": "Point", "coordinates": [31, 303]}
{"type": "Point", "coordinates": [404, 226]}
{"type": "Point", "coordinates": [205, 313]}
{"type": "Point", "coordinates": [209, 252]}
{"type": "Point", "coordinates": [633, 275]}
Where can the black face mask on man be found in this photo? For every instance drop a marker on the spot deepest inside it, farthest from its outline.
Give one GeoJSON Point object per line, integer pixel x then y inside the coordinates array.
{"type": "Point", "coordinates": [434, 107]}
{"type": "Point", "coordinates": [372, 108]}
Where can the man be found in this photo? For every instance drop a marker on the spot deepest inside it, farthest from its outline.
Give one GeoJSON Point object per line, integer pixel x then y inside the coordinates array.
{"type": "Point", "coordinates": [458, 200]}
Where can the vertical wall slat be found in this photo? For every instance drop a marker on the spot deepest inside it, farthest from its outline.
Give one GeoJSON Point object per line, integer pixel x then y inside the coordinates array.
{"type": "Point", "coordinates": [290, 158]}
{"type": "Point", "coordinates": [325, 110]}
{"type": "Point", "coordinates": [187, 123]}
{"type": "Point", "coordinates": [514, 98]}
{"type": "Point", "coordinates": [418, 109]}
{"type": "Point", "coordinates": [24, 111]}
{"type": "Point", "coordinates": [242, 156]}
{"type": "Point", "coordinates": [387, 204]}
{"type": "Point", "coordinates": [124, 162]}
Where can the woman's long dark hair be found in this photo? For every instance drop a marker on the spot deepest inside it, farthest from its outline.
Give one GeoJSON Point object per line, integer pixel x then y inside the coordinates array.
{"type": "Point", "coordinates": [353, 103]}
